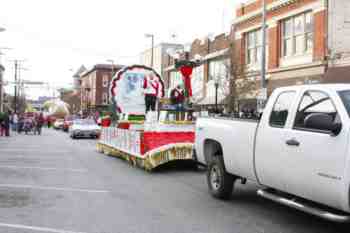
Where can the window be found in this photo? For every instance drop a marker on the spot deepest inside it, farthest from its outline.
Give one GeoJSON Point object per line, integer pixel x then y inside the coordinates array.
{"type": "Point", "coordinates": [297, 35]}
{"type": "Point", "coordinates": [197, 82]}
{"type": "Point", "coordinates": [281, 109]}
{"type": "Point", "coordinates": [314, 102]}
{"type": "Point", "coordinates": [218, 69]}
{"type": "Point", "coordinates": [105, 98]}
{"type": "Point", "coordinates": [254, 46]}
{"type": "Point", "coordinates": [345, 97]}
{"type": "Point", "coordinates": [105, 80]}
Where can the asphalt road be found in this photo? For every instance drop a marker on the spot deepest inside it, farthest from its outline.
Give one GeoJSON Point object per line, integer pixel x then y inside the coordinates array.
{"type": "Point", "coordinates": [54, 184]}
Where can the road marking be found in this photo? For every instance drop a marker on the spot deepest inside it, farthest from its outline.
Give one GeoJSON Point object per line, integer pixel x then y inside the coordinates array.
{"type": "Point", "coordinates": [46, 168]}
{"type": "Point", "coordinates": [16, 186]}
{"type": "Point", "coordinates": [32, 150]}
{"type": "Point", "coordinates": [35, 157]}
{"type": "Point", "coordinates": [41, 229]}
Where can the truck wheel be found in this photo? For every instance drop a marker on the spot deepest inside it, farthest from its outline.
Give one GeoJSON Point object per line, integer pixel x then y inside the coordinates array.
{"type": "Point", "coordinates": [220, 183]}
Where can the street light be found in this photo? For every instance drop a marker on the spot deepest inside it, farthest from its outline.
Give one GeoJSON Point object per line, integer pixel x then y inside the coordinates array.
{"type": "Point", "coordinates": [87, 95]}
{"type": "Point", "coordinates": [152, 41]}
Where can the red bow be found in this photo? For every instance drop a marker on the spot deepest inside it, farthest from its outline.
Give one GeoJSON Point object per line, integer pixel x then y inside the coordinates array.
{"type": "Point", "coordinates": [186, 72]}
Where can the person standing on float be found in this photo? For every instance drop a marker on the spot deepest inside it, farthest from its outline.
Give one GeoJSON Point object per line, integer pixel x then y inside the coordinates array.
{"type": "Point", "coordinates": [151, 90]}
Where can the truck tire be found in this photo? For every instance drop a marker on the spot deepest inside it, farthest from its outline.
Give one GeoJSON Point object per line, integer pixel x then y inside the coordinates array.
{"type": "Point", "coordinates": [220, 182]}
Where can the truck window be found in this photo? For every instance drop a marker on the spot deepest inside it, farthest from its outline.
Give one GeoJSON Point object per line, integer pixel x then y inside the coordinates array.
{"type": "Point", "coordinates": [345, 97]}
{"type": "Point", "coordinates": [279, 113]}
{"type": "Point", "coordinates": [314, 102]}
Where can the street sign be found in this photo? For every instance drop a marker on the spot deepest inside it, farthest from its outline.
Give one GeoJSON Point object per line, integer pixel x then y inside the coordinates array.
{"type": "Point", "coordinates": [262, 94]}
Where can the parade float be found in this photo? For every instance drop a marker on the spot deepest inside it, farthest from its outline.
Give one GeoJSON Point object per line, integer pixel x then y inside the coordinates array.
{"type": "Point", "coordinates": [146, 140]}
{"type": "Point", "coordinates": [56, 108]}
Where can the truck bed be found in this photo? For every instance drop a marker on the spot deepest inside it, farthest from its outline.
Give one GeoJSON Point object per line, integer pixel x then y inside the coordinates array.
{"type": "Point", "coordinates": [236, 137]}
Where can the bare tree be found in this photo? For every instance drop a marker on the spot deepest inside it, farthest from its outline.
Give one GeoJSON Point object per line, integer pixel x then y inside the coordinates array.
{"type": "Point", "coordinates": [235, 84]}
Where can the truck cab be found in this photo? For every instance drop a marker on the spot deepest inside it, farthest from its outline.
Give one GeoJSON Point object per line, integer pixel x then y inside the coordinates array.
{"type": "Point", "coordinates": [302, 144]}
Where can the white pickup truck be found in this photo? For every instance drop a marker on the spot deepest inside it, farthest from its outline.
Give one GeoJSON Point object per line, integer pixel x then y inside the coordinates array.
{"type": "Point", "coordinates": [298, 151]}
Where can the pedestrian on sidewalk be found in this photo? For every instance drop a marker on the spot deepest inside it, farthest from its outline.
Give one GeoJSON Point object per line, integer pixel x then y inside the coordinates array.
{"type": "Point", "coordinates": [20, 123]}
{"type": "Point", "coordinates": [2, 124]}
{"type": "Point", "coordinates": [14, 122]}
{"type": "Point", "coordinates": [6, 122]}
{"type": "Point", "coordinates": [49, 122]}
{"type": "Point", "coordinates": [39, 122]}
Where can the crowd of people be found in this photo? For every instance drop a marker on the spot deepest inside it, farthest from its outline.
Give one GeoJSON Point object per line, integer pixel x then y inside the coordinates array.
{"type": "Point", "coordinates": [21, 123]}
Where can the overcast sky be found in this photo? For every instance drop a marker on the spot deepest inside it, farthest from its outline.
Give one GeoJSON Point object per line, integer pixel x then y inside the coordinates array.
{"type": "Point", "coordinates": [56, 36]}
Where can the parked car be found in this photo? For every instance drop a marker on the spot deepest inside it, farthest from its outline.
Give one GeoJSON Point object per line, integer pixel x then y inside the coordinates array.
{"type": "Point", "coordinates": [58, 124]}
{"type": "Point", "coordinates": [68, 121]}
{"type": "Point", "coordinates": [84, 128]}
{"type": "Point", "coordinates": [298, 152]}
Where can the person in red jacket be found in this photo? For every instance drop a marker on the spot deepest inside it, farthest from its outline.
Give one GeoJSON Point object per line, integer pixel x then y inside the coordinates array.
{"type": "Point", "coordinates": [177, 97]}
{"type": "Point", "coordinates": [151, 90]}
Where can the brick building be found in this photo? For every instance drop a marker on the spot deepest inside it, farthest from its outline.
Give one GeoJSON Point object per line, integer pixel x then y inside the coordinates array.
{"type": "Point", "coordinates": [308, 41]}
{"type": "Point", "coordinates": [214, 54]}
{"type": "Point", "coordinates": [94, 87]}
{"type": "Point", "coordinates": [72, 98]}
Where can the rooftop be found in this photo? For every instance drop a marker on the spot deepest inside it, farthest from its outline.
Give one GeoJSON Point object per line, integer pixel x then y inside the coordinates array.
{"type": "Point", "coordinates": [102, 67]}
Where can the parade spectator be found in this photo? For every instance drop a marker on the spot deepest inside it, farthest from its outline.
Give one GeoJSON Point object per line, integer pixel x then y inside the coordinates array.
{"type": "Point", "coordinates": [39, 122]}
{"type": "Point", "coordinates": [14, 122]}
{"type": "Point", "coordinates": [2, 124]}
{"type": "Point", "coordinates": [20, 123]}
{"type": "Point", "coordinates": [49, 119]}
{"type": "Point", "coordinates": [6, 123]}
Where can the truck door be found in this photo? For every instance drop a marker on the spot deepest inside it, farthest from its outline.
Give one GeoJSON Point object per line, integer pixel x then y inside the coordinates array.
{"type": "Point", "coordinates": [315, 159]}
{"type": "Point", "coordinates": [270, 156]}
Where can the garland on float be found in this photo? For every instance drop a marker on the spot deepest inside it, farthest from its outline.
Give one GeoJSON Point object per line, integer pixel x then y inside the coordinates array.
{"type": "Point", "coordinates": [154, 158]}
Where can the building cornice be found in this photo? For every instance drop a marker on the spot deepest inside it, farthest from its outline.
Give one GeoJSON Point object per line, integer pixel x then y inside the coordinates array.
{"type": "Point", "coordinates": [314, 7]}
{"type": "Point", "coordinates": [275, 6]}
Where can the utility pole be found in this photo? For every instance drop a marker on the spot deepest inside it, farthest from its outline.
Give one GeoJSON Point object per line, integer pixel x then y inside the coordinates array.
{"type": "Point", "coordinates": [263, 59]}
{"type": "Point", "coordinates": [15, 92]}
{"type": "Point", "coordinates": [152, 49]}
{"type": "Point", "coordinates": [263, 92]}
{"type": "Point", "coordinates": [112, 74]}
{"type": "Point", "coordinates": [16, 83]}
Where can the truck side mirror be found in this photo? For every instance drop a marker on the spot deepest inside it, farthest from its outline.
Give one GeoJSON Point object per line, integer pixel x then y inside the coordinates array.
{"type": "Point", "coordinates": [322, 121]}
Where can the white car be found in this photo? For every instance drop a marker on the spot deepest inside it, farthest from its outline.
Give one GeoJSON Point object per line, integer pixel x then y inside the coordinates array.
{"type": "Point", "coordinates": [58, 124]}
{"type": "Point", "coordinates": [84, 128]}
